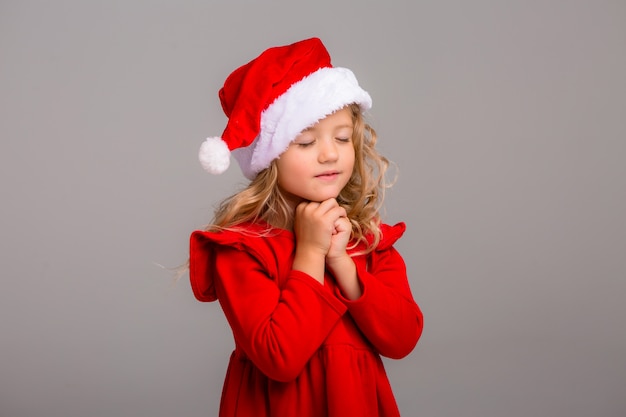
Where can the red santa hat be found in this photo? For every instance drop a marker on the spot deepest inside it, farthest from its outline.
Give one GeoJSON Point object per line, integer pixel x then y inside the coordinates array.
{"type": "Point", "coordinates": [273, 98]}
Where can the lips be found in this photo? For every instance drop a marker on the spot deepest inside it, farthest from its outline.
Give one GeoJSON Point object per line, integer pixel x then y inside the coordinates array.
{"type": "Point", "coordinates": [328, 175]}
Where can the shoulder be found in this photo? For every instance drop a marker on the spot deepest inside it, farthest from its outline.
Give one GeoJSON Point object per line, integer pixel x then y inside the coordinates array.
{"type": "Point", "coordinates": [244, 236]}
{"type": "Point", "coordinates": [390, 235]}
{"type": "Point", "coordinates": [259, 241]}
{"type": "Point", "coordinates": [245, 243]}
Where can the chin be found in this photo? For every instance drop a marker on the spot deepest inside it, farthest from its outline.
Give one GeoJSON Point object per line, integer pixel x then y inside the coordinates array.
{"type": "Point", "coordinates": [323, 197]}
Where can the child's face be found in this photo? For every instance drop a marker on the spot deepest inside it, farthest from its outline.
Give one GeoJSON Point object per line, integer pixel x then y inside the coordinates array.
{"type": "Point", "coordinates": [319, 161]}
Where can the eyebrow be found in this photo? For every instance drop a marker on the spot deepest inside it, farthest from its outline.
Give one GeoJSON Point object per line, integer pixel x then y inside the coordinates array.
{"type": "Point", "coordinates": [347, 125]}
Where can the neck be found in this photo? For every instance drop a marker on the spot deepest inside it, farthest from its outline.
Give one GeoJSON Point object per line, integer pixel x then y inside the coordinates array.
{"type": "Point", "coordinates": [281, 223]}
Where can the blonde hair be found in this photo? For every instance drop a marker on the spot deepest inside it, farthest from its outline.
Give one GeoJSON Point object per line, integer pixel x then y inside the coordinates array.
{"type": "Point", "coordinates": [362, 197]}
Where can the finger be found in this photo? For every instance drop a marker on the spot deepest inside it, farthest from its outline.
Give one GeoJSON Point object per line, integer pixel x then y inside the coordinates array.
{"type": "Point", "coordinates": [306, 207]}
{"type": "Point", "coordinates": [342, 224]}
{"type": "Point", "coordinates": [327, 205]}
{"type": "Point", "coordinates": [337, 213]}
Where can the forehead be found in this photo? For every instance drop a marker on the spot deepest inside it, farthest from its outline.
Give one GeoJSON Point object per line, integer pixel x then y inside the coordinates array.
{"type": "Point", "coordinates": [337, 120]}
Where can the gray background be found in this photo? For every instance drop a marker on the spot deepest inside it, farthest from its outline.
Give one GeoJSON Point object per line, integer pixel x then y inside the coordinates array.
{"type": "Point", "coordinates": [507, 123]}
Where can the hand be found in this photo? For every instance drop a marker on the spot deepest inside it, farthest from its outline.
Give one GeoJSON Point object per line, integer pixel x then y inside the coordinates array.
{"type": "Point", "coordinates": [339, 239]}
{"type": "Point", "coordinates": [340, 263]}
{"type": "Point", "coordinates": [316, 225]}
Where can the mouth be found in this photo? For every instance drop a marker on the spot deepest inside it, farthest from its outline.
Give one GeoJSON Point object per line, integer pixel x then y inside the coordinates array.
{"type": "Point", "coordinates": [328, 175]}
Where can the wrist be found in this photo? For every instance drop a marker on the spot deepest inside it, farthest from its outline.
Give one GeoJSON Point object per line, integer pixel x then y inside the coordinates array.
{"type": "Point", "coordinates": [311, 263]}
{"type": "Point", "coordinates": [344, 271]}
{"type": "Point", "coordinates": [340, 262]}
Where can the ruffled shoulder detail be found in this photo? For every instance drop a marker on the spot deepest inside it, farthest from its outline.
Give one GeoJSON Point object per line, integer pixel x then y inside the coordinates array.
{"type": "Point", "coordinates": [259, 241]}
{"type": "Point", "coordinates": [390, 235]}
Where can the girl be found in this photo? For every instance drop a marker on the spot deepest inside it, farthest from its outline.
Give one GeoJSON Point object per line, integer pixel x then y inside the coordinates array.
{"type": "Point", "coordinates": [304, 270]}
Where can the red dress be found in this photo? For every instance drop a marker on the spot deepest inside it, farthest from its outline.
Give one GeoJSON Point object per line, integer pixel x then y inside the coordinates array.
{"type": "Point", "coordinates": [301, 348]}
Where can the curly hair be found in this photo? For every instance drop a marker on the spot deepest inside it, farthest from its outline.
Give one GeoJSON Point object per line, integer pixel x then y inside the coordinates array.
{"type": "Point", "coordinates": [362, 197]}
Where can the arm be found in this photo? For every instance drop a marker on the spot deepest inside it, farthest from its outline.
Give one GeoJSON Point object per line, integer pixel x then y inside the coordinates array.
{"type": "Point", "coordinates": [279, 329]}
{"type": "Point", "coordinates": [386, 312]}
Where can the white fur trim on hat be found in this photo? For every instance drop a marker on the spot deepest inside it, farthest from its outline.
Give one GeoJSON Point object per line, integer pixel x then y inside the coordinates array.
{"type": "Point", "coordinates": [317, 95]}
{"type": "Point", "coordinates": [214, 155]}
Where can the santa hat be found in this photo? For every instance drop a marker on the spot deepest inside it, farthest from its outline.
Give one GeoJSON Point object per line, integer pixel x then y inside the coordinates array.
{"type": "Point", "coordinates": [273, 98]}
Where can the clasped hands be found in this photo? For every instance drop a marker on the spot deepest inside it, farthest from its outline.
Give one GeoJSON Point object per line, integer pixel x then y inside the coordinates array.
{"type": "Point", "coordinates": [322, 231]}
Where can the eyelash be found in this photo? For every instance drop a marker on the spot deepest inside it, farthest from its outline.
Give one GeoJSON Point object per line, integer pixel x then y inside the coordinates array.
{"type": "Point", "coordinates": [304, 145]}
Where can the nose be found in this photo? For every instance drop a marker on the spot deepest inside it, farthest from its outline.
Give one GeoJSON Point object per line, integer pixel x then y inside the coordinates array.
{"type": "Point", "coordinates": [328, 151]}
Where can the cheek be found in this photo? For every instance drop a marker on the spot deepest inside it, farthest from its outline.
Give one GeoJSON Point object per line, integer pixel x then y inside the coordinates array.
{"type": "Point", "coordinates": [289, 168]}
{"type": "Point", "coordinates": [350, 158]}
{"type": "Point", "coordinates": [293, 167]}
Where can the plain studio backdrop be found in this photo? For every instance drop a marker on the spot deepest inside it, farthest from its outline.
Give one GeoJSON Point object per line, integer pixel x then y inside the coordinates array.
{"type": "Point", "coordinates": [506, 120]}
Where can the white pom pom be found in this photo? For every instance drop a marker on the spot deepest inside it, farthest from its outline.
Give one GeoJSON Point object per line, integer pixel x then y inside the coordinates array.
{"type": "Point", "coordinates": [214, 155]}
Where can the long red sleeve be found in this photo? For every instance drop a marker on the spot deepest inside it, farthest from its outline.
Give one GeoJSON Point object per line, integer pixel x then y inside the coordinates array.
{"type": "Point", "coordinates": [386, 312]}
{"type": "Point", "coordinates": [278, 328]}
